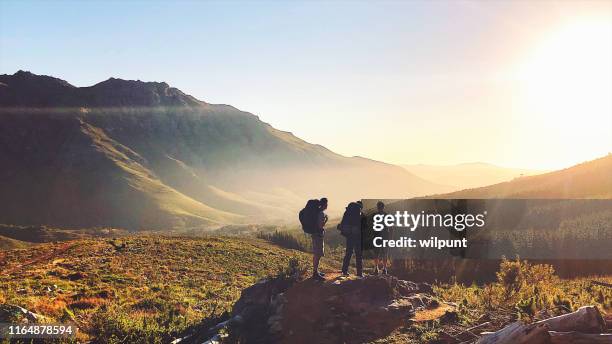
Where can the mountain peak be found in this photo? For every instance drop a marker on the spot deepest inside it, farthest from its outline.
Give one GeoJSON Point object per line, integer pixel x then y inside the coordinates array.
{"type": "Point", "coordinates": [115, 82]}
{"type": "Point", "coordinates": [26, 89]}
{"type": "Point", "coordinates": [23, 76]}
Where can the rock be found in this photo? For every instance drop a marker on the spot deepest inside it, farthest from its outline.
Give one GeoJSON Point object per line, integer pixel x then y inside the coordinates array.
{"type": "Point", "coordinates": [337, 311]}
{"type": "Point", "coordinates": [379, 304]}
{"type": "Point", "coordinates": [260, 295]}
{"type": "Point", "coordinates": [425, 288]}
{"type": "Point", "coordinates": [16, 314]}
{"type": "Point", "coordinates": [449, 317]}
{"type": "Point", "coordinates": [275, 324]}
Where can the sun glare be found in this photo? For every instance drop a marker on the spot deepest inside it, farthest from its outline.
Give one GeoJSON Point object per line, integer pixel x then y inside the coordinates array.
{"type": "Point", "coordinates": [568, 76]}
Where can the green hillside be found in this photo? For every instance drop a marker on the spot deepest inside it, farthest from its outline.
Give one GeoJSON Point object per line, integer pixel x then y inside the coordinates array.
{"type": "Point", "coordinates": [140, 288]}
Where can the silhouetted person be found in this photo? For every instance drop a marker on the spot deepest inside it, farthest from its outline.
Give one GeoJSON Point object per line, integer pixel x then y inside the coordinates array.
{"type": "Point", "coordinates": [351, 228]}
{"type": "Point", "coordinates": [381, 254]}
{"type": "Point", "coordinates": [318, 246]}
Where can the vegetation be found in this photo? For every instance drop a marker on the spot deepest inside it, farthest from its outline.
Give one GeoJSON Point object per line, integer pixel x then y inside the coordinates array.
{"type": "Point", "coordinates": [150, 289]}
{"type": "Point", "coordinates": [138, 289]}
{"type": "Point", "coordinates": [9, 244]}
{"type": "Point", "coordinates": [524, 291]}
{"type": "Point", "coordinates": [287, 239]}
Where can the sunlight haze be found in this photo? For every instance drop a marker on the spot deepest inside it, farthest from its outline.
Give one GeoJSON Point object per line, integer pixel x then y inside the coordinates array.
{"type": "Point", "coordinates": [518, 84]}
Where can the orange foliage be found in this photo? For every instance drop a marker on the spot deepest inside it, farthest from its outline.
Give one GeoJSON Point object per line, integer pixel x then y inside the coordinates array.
{"type": "Point", "coordinates": [87, 302]}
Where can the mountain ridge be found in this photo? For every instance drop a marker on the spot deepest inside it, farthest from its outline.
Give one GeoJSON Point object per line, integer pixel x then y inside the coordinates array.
{"type": "Point", "coordinates": [590, 179]}
{"type": "Point", "coordinates": [468, 175]}
{"type": "Point", "coordinates": [176, 161]}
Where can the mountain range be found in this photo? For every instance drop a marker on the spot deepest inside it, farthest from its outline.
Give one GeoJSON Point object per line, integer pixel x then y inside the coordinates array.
{"type": "Point", "coordinates": [468, 175]}
{"type": "Point", "coordinates": [588, 180]}
{"type": "Point", "coordinates": [144, 155]}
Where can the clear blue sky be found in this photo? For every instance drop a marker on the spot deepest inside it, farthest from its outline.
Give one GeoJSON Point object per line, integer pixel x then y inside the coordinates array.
{"type": "Point", "coordinates": [404, 82]}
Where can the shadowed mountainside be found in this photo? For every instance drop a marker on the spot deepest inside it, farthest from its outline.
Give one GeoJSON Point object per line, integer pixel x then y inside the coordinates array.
{"type": "Point", "coordinates": [136, 155]}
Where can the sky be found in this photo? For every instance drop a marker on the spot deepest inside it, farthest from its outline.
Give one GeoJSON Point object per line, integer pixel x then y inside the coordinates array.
{"type": "Point", "coordinates": [514, 83]}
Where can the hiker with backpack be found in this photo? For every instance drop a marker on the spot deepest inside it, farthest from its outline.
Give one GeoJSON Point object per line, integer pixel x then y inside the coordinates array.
{"type": "Point", "coordinates": [313, 220]}
{"type": "Point", "coordinates": [350, 228]}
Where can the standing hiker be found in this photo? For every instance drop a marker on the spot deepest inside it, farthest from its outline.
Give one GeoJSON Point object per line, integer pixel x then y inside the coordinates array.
{"type": "Point", "coordinates": [351, 228]}
{"type": "Point", "coordinates": [313, 220]}
{"type": "Point", "coordinates": [381, 253]}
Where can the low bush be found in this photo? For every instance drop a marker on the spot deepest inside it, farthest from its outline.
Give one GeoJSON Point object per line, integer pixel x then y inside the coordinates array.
{"type": "Point", "coordinates": [287, 239]}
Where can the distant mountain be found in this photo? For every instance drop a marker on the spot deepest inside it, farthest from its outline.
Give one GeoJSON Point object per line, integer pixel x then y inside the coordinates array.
{"type": "Point", "coordinates": [468, 175]}
{"type": "Point", "coordinates": [592, 179]}
{"type": "Point", "coordinates": [144, 155]}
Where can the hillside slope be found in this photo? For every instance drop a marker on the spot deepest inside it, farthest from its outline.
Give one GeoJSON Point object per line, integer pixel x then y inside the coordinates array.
{"type": "Point", "coordinates": [136, 289]}
{"type": "Point", "coordinates": [11, 244]}
{"type": "Point", "coordinates": [141, 155]}
{"type": "Point", "coordinates": [468, 175]}
{"type": "Point", "coordinates": [590, 179]}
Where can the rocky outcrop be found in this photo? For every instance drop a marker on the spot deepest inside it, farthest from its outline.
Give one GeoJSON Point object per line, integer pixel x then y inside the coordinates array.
{"type": "Point", "coordinates": [339, 310]}
{"type": "Point", "coordinates": [348, 310]}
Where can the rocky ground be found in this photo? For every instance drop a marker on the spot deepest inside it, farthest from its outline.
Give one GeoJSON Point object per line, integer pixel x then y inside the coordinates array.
{"type": "Point", "coordinates": [338, 310]}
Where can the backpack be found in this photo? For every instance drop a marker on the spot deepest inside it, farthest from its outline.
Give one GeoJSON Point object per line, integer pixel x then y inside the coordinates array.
{"type": "Point", "coordinates": [308, 216]}
{"type": "Point", "coordinates": [352, 212]}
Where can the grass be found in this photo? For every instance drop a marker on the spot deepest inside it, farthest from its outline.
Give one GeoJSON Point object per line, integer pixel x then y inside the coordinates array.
{"type": "Point", "coordinates": [149, 289]}
{"type": "Point", "coordinates": [524, 291]}
{"type": "Point", "coordinates": [288, 240]}
{"type": "Point", "coordinates": [138, 289]}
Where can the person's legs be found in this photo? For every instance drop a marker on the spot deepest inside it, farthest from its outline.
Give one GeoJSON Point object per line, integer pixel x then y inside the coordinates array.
{"type": "Point", "coordinates": [317, 253]}
{"type": "Point", "coordinates": [347, 255]}
{"type": "Point", "coordinates": [377, 260]}
{"type": "Point", "coordinates": [358, 257]}
{"type": "Point", "coordinates": [383, 252]}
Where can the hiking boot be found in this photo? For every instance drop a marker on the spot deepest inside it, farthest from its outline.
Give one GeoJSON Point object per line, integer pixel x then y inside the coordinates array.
{"type": "Point", "coordinates": [318, 277]}
{"type": "Point", "coordinates": [345, 274]}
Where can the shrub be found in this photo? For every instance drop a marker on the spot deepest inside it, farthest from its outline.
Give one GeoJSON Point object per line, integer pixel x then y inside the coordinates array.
{"type": "Point", "coordinates": [87, 303]}
{"type": "Point", "coordinates": [49, 307]}
{"type": "Point", "coordinates": [293, 271]}
{"type": "Point", "coordinates": [286, 239]}
{"type": "Point", "coordinates": [115, 325]}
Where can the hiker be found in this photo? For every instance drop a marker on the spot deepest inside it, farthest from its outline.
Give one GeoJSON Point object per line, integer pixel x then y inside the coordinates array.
{"type": "Point", "coordinates": [318, 246]}
{"type": "Point", "coordinates": [381, 253]}
{"type": "Point", "coordinates": [350, 227]}
{"type": "Point", "coordinates": [313, 220]}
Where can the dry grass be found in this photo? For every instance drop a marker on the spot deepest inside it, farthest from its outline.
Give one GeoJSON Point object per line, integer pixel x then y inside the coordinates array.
{"type": "Point", "coordinates": [137, 289]}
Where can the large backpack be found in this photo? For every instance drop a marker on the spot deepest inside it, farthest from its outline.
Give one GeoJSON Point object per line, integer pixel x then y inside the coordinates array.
{"type": "Point", "coordinates": [308, 216]}
{"type": "Point", "coordinates": [351, 213]}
